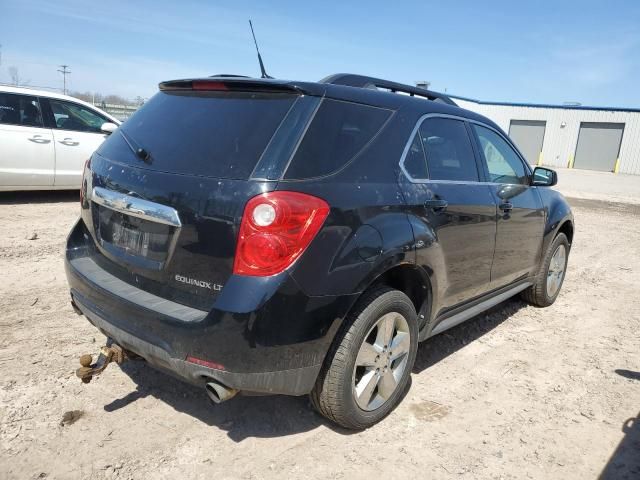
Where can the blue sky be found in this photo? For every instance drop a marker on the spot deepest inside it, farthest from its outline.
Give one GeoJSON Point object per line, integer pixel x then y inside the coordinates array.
{"type": "Point", "coordinates": [544, 52]}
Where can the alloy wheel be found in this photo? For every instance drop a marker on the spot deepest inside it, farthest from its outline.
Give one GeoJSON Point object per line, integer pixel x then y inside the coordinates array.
{"type": "Point", "coordinates": [556, 270]}
{"type": "Point", "coordinates": [381, 361]}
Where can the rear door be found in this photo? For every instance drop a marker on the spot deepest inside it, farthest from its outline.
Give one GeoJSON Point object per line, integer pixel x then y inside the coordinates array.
{"type": "Point", "coordinates": [521, 215]}
{"type": "Point", "coordinates": [77, 134]}
{"type": "Point", "coordinates": [448, 200]}
{"type": "Point", "coordinates": [168, 221]}
{"type": "Point", "coordinates": [26, 147]}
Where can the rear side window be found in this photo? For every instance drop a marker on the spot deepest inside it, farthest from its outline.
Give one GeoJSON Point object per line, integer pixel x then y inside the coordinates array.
{"type": "Point", "coordinates": [337, 133]}
{"type": "Point", "coordinates": [216, 134]}
{"type": "Point", "coordinates": [415, 163]}
{"type": "Point", "coordinates": [23, 110]}
{"type": "Point", "coordinates": [448, 148]}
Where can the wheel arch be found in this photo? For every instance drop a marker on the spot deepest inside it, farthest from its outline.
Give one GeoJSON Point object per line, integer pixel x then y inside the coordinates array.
{"type": "Point", "coordinates": [566, 227]}
{"type": "Point", "coordinates": [411, 280]}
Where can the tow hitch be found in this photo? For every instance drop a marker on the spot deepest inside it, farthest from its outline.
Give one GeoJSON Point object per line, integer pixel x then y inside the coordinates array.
{"type": "Point", "coordinates": [108, 354]}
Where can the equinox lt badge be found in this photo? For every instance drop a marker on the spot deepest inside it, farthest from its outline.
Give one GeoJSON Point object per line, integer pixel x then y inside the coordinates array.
{"type": "Point", "coordinates": [198, 283]}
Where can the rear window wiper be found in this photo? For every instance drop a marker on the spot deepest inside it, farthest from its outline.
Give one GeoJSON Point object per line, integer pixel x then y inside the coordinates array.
{"type": "Point", "coordinates": [139, 152]}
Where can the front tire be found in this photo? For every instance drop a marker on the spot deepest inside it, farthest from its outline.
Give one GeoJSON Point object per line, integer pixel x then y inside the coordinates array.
{"type": "Point", "coordinates": [551, 275]}
{"type": "Point", "coordinates": [368, 367]}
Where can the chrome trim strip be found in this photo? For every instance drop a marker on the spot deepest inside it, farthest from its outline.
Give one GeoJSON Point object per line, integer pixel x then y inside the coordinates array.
{"type": "Point", "coordinates": [136, 207]}
{"type": "Point", "coordinates": [471, 312]}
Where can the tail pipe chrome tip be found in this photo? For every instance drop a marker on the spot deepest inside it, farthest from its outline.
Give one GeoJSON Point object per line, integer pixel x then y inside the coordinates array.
{"type": "Point", "coordinates": [218, 393]}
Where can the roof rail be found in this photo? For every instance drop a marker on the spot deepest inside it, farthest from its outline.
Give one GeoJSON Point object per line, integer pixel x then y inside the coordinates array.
{"type": "Point", "coordinates": [362, 81]}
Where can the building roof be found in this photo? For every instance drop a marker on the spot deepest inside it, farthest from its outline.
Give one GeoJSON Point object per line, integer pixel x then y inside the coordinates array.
{"type": "Point", "coordinates": [542, 105]}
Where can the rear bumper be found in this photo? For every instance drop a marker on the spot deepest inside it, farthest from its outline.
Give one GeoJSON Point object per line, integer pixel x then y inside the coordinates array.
{"type": "Point", "coordinates": [278, 347]}
{"type": "Point", "coordinates": [295, 381]}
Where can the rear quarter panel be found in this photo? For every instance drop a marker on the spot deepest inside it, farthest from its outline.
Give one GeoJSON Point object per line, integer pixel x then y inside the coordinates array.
{"type": "Point", "coordinates": [367, 231]}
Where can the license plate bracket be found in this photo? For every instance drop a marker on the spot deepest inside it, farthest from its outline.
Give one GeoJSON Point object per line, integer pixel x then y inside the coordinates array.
{"type": "Point", "coordinates": [134, 236]}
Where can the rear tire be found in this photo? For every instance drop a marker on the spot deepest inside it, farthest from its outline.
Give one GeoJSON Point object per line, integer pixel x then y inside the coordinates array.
{"type": "Point", "coordinates": [550, 277]}
{"type": "Point", "coordinates": [367, 370]}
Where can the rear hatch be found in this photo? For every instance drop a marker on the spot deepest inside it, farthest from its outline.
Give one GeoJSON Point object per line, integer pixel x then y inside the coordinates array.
{"type": "Point", "coordinates": [166, 193]}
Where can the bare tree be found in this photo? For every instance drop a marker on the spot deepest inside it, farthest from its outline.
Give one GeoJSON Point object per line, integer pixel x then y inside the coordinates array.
{"type": "Point", "coordinates": [86, 96]}
{"type": "Point", "coordinates": [16, 79]}
{"type": "Point", "coordinates": [116, 100]}
{"type": "Point", "coordinates": [98, 98]}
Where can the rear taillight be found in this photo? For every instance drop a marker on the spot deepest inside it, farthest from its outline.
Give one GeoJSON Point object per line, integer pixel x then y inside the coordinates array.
{"type": "Point", "coordinates": [83, 185]}
{"type": "Point", "coordinates": [276, 229]}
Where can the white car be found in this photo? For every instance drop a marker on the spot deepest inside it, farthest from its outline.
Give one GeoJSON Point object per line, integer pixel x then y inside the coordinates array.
{"type": "Point", "coordinates": [45, 138]}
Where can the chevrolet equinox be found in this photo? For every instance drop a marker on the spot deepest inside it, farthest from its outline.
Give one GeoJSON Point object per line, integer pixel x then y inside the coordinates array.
{"type": "Point", "coordinates": [267, 236]}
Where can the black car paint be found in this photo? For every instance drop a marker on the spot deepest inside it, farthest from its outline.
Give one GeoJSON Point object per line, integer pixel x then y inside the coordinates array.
{"type": "Point", "coordinates": [282, 326]}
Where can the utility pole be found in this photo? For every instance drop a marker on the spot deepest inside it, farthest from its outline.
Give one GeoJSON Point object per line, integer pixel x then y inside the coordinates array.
{"type": "Point", "coordinates": [64, 73]}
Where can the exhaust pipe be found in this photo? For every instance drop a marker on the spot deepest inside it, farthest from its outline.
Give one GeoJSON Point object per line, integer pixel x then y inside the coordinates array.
{"type": "Point", "coordinates": [218, 393]}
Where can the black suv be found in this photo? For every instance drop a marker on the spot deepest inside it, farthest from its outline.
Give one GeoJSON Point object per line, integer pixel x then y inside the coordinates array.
{"type": "Point", "coordinates": [269, 236]}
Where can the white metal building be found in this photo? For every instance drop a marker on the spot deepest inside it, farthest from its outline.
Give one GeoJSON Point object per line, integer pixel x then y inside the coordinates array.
{"type": "Point", "coordinates": [605, 139]}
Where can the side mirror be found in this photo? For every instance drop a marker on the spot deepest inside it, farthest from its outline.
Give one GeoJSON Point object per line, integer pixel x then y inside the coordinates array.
{"type": "Point", "coordinates": [108, 128]}
{"type": "Point", "coordinates": [544, 177]}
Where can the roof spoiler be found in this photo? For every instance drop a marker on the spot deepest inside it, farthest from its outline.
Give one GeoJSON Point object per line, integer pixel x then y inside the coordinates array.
{"type": "Point", "coordinates": [232, 83]}
{"type": "Point", "coordinates": [362, 81]}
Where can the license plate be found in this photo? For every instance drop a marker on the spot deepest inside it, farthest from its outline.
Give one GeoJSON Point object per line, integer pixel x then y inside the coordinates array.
{"type": "Point", "coordinates": [134, 236]}
{"type": "Point", "coordinates": [131, 239]}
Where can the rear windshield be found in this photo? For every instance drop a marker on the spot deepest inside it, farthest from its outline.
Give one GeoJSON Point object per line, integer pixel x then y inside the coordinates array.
{"type": "Point", "coordinates": [216, 134]}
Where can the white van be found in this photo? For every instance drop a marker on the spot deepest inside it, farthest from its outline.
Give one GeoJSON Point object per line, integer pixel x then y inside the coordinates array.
{"type": "Point", "coordinates": [45, 138]}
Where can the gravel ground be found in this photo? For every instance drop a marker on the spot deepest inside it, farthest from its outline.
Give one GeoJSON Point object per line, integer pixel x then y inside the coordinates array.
{"type": "Point", "coordinates": [518, 392]}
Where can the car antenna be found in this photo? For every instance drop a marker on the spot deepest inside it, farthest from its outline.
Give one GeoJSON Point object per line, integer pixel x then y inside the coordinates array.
{"type": "Point", "coordinates": [262, 70]}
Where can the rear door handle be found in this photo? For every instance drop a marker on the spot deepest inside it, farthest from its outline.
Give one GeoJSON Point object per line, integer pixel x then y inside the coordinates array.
{"type": "Point", "coordinates": [69, 142]}
{"type": "Point", "coordinates": [38, 139]}
{"type": "Point", "coordinates": [436, 204]}
{"type": "Point", "coordinates": [506, 206]}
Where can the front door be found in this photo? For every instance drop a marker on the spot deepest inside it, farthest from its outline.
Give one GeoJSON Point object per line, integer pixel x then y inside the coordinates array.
{"type": "Point", "coordinates": [521, 214]}
{"type": "Point", "coordinates": [77, 135]}
{"type": "Point", "coordinates": [27, 155]}
{"type": "Point", "coordinates": [452, 212]}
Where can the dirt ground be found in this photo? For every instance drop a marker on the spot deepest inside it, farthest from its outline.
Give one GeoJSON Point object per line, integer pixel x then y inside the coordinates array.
{"type": "Point", "coordinates": [519, 392]}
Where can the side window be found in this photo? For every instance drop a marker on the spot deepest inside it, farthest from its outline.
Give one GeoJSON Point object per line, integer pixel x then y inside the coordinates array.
{"type": "Point", "coordinates": [448, 148]}
{"type": "Point", "coordinates": [415, 163]}
{"type": "Point", "coordinates": [338, 132]}
{"type": "Point", "coordinates": [23, 110]}
{"type": "Point", "coordinates": [71, 116]}
{"type": "Point", "coordinates": [502, 161]}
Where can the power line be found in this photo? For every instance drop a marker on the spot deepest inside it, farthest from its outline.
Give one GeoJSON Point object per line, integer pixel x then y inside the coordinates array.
{"type": "Point", "coordinates": [64, 73]}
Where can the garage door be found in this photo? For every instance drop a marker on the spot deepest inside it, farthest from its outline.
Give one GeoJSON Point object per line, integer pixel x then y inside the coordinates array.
{"type": "Point", "coordinates": [598, 146]}
{"type": "Point", "coordinates": [528, 135]}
